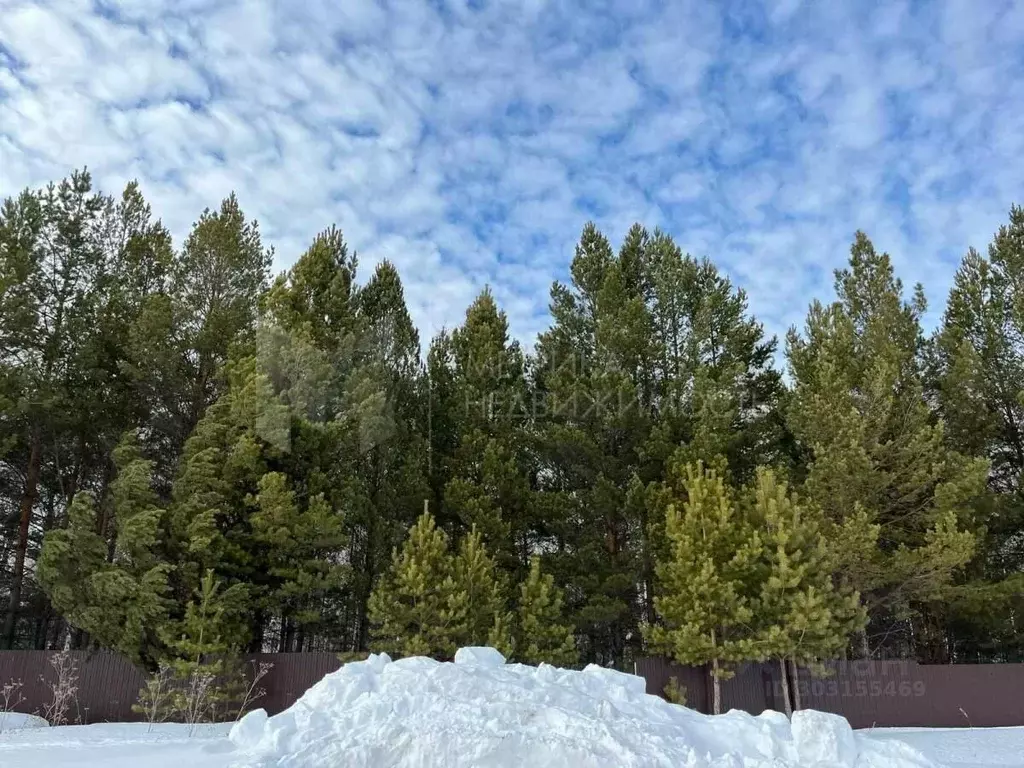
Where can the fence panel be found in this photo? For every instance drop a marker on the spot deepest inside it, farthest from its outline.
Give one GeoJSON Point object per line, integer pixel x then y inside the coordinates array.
{"type": "Point", "coordinates": [749, 690]}
{"type": "Point", "coordinates": [867, 693]}
{"type": "Point", "coordinates": [291, 676]}
{"type": "Point", "coordinates": [108, 684]}
{"type": "Point", "coordinates": [908, 694]}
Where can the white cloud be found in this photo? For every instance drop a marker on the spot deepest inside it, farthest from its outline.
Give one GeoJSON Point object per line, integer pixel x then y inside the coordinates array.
{"type": "Point", "coordinates": [469, 142]}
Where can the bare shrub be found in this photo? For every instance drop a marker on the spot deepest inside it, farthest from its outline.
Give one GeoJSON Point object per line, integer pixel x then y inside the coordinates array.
{"type": "Point", "coordinates": [63, 690]}
{"type": "Point", "coordinates": [254, 692]}
{"type": "Point", "coordinates": [10, 697]}
{"type": "Point", "coordinates": [156, 699]}
{"type": "Point", "coordinates": [196, 699]}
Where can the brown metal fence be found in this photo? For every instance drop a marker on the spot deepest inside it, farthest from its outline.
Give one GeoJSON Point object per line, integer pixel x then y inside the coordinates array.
{"type": "Point", "coordinates": [750, 690]}
{"type": "Point", "coordinates": [867, 693]}
{"type": "Point", "coordinates": [108, 684]}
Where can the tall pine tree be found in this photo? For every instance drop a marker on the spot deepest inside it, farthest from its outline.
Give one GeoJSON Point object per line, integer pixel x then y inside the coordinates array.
{"type": "Point", "coordinates": [978, 377]}
{"type": "Point", "coordinates": [878, 456]}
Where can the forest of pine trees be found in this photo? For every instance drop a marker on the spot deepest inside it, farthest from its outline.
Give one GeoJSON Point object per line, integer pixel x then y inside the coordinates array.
{"type": "Point", "coordinates": [197, 456]}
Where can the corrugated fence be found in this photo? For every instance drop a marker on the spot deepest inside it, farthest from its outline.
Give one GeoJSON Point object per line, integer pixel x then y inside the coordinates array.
{"type": "Point", "coordinates": [867, 693]}
{"type": "Point", "coordinates": [108, 684]}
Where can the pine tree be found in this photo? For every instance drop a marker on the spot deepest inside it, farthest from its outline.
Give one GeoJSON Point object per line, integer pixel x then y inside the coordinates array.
{"type": "Point", "coordinates": [71, 557]}
{"type": "Point", "coordinates": [414, 609]}
{"type": "Point", "coordinates": [385, 408]}
{"type": "Point", "coordinates": [479, 596]}
{"type": "Point", "coordinates": [346, 362]}
{"type": "Point", "coordinates": [301, 540]}
{"type": "Point", "coordinates": [135, 588]}
{"type": "Point", "coordinates": [316, 298]}
{"type": "Point", "coordinates": [202, 653]}
{"type": "Point", "coordinates": [717, 391]}
{"type": "Point", "coordinates": [651, 352]}
{"type": "Point", "coordinates": [801, 613]}
{"type": "Point", "coordinates": [591, 426]}
{"type": "Point", "coordinates": [859, 406]}
{"type": "Point", "coordinates": [709, 579]}
{"type": "Point", "coordinates": [488, 486]}
{"type": "Point", "coordinates": [978, 370]}
{"type": "Point", "coordinates": [541, 633]}
{"type": "Point", "coordinates": [241, 438]}
{"type": "Point", "coordinates": [52, 260]}
{"type": "Point", "coordinates": [185, 332]}
{"type": "Point", "coordinates": [120, 599]}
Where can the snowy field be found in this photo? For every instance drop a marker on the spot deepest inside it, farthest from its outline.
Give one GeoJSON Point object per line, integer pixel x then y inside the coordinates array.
{"type": "Point", "coordinates": [169, 746]}
{"type": "Point", "coordinates": [962, 747]}
{"type": "Point", "coordinates": [479, 711]}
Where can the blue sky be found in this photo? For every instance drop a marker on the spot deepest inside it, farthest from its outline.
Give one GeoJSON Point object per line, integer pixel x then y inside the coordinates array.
{"type": "Point", "coordinates": [469, 141]}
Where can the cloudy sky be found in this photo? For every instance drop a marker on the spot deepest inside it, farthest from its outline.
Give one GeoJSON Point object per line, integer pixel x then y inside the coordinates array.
{"type": "Point", "coordinates": [470, 140]}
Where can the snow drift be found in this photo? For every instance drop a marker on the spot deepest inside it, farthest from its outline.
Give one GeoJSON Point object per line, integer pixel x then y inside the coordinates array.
{"type": "Point", "coordinates": [16, 721]}
{"type": "Point", "coordinates": [481, 712]}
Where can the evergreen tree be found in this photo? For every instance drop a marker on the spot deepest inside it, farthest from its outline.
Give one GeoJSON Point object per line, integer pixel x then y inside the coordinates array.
{"type": "Point", "coordinates": [591, 426]}
{"type": "Point", "coordinates": [51, 260]}
{"type": "Point", "coordinates": [385, 407]}
{"type": "Point", "coordinates": [716, 389]}
{"type": "Point", "coordinates": [978, 370]}
{"type": "Point", "coordinates": [709, 579]}
{"type": "Point", "coordinates": [414, 609]}
{"type": "Point", "coordinates": [801, 613]}
{"type": "Point", "coordinates": [202, 653]}
{"type": "Point", "coordinates": [541, 633]}
{"type": "Point", "coordinates": [878, 456]}
{"type": "Point", "coordinates": [185, 332]}
{"type": "Point", "coordinates": [119, 597]}
{"type": "Point", "coordinates": [285, 439]}
{"type": "Point", "coordinates": [479, 597]}
{"type": "Point", "coordinates": [303, 541]}
{"type": "Point", "coordinates": [317, 296]}
{"type": "Point", "coordinates": [650, 350]}
{"type": "Point", "coordinates": [489, 486]}
{"type": "Point", "coordinates": [70, 559]}
{"type": "Point", "coordinates": [134, 589]}
{"type": "Point", "coordinates": [239, 440]}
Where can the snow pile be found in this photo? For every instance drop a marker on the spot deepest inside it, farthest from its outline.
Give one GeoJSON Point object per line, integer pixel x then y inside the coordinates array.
{"type": "Point", "coordinates": [15, 721]}
{"type": "Point", "coordinates": [481, 712]}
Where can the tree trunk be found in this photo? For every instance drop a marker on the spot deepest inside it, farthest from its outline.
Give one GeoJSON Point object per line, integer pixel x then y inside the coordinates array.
{"type": "Point", "coordinates": [794, 675]}
{"type": "Point", "coordinates": [716, 681]}
{"type": "Point", "coordinates": [42, 628]}
{"type": "Point", "coordinates": [256, 644]}
{"type": "Point", "coordinates": [716, 687]}
{"type": "Point", "coordinates": [28, 500]}
{"type": "Point", "coordinates": [785, 688]}
{"type": "Point", "coordinates": [363, 620]}
{"type": "Point", "coordinates": [862, 644]}
{"type": "Point", "coordinates": [285, 635]}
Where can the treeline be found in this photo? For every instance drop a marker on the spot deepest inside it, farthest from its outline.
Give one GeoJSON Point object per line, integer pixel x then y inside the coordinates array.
{"type": "Point", "coordinates": [190, 448]}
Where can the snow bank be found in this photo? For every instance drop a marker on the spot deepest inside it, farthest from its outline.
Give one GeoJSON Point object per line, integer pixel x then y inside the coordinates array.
{"type": "Point", "coordinates": [823, 739]}
{"type": "Point", "coordinates": [481, 712]}
{"type": "Point", "coordinates": [12, 721]}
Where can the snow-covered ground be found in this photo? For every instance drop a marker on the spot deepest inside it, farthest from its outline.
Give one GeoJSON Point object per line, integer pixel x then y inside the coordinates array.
{"type": "Point", "coordinates": [116, 745]}
{"type": "Point", "coordinates": [169, 746]}
{"type": "Point", "coordinates": [962, 747]}
{"type": "Point", "coordinates": [479, 711]}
